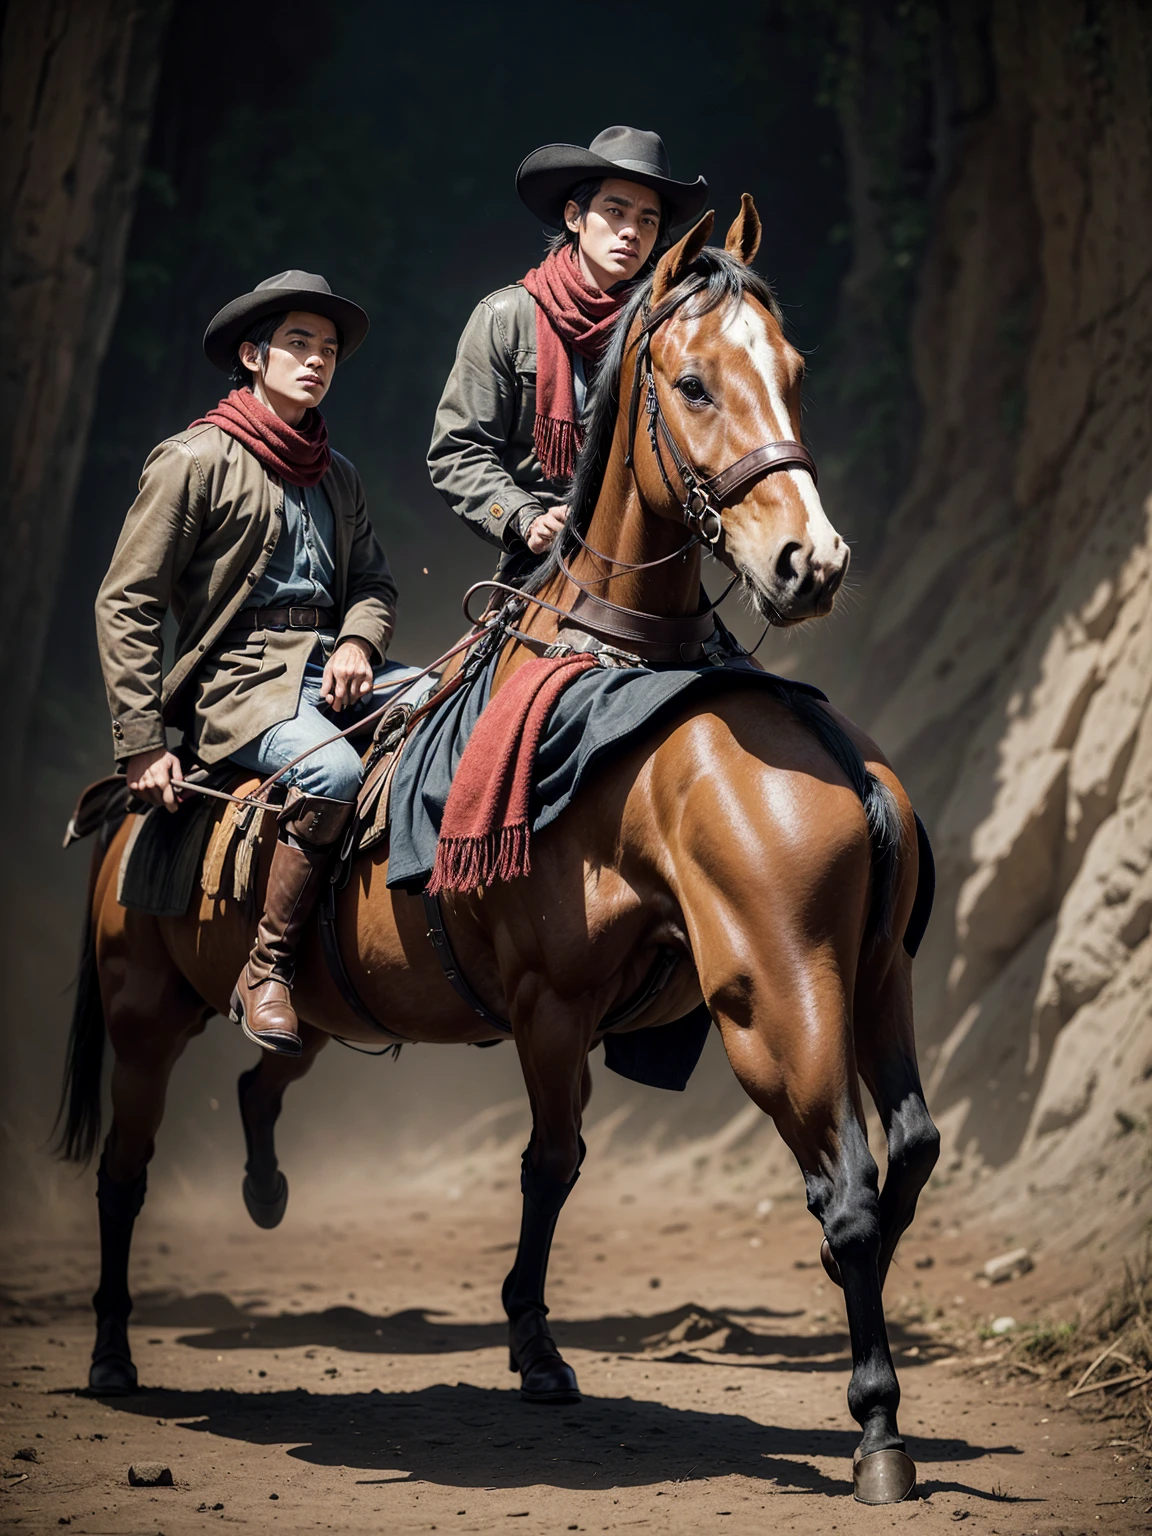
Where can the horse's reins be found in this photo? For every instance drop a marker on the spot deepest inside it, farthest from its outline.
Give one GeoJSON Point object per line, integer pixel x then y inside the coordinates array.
{"type": "Point", "coordinates": [255, 796]}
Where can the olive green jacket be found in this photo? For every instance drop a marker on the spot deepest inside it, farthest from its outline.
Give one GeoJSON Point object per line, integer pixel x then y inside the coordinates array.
{"type": "Point", "coordinates": [196, 541]}
{"type": "Point", "coordinates": [482, 458]}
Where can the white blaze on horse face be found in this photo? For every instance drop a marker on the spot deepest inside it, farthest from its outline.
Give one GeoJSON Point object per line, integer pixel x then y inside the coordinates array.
{"type": "Point", "coordinates": [747, 327]}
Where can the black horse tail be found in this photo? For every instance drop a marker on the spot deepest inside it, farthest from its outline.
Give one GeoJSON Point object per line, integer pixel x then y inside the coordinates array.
{"type": "Point", "coordinates": [78, 1119]}
{"type": "Point", "coordinates": [885, 833]}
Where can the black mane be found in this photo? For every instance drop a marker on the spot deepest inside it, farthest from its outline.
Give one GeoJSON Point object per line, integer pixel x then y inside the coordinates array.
{"type": "Point", "coordinates": [714, 278]}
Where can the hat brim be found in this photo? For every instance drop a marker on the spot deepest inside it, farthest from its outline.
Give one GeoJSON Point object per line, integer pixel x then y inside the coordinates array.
{"type": "Point", "coordinates": [548, 175]}
{"type": "Point", "coordinates": [226, 329]}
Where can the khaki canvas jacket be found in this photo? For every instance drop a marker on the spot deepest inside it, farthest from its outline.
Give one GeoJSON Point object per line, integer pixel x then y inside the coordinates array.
{"type": "Point", "coordinates": [196, 541]}
{"type": "Point", "coordinates": [482, 458]}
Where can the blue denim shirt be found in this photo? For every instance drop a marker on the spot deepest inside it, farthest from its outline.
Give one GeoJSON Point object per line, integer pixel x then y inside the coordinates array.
{"type": "Point", "coordinates": [302, 569]}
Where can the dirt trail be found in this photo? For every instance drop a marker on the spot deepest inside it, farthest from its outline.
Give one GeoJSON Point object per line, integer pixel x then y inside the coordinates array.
{"type": "Point", "coordinates": [347, 1373]}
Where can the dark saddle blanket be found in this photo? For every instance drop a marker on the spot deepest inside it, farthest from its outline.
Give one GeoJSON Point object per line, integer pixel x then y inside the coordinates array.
{"type": "Point", "coordinates": [601, 712]}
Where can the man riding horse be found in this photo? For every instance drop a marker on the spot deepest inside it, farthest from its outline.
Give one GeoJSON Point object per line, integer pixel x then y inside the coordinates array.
{"type": "Point", "coordinates": [508, 426]}
{"type": "Point", "coordinates": [254, 533]}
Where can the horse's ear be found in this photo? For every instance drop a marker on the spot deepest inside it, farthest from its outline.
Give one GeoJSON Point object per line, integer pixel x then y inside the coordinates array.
{"type": "Point", "coordinates": [674, 263]}
{"type": "Point", "coordinates": [744, 237]}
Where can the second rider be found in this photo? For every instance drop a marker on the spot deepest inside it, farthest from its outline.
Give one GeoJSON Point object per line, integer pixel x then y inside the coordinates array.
{"type": "Point", "coordinates": [508, 426]}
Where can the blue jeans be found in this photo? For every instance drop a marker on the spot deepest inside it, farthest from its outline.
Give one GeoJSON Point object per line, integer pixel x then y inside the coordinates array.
{"type": "Point", "coordinates": [334, 771]}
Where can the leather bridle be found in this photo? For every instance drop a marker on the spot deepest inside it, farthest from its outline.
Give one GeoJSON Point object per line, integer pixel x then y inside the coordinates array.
{"type": "Point", "coordinates": [701, 501]}
{"type": "Point", "coordinates": [704, 496]}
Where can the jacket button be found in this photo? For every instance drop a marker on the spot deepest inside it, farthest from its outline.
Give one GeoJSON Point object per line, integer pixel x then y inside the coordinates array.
{"type": "Point", "coordinates": [496, 510]}
{"type": "Point", "coordinates": [251, 578]}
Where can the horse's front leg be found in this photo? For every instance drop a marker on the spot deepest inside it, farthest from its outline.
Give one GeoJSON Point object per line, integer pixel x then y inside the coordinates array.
{"type": "Point", "coordinates": [553, 1041]}
{"type": "Point", "coordinates": [792, 1051]}
{"type": "Point", "coordinates": [260, 1091]}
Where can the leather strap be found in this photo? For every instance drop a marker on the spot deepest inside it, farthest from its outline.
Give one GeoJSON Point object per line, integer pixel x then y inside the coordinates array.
{"type": "Point", "coordinates": [331, 942]}
{"type": "Point", "coordinates": [649, 635]}
{"type": "Point", "coordinates": [442, 944]}
{"type": "Point", "coordinates": [729, 484]}
{"type": "Point", "coordinates": [249, 619]}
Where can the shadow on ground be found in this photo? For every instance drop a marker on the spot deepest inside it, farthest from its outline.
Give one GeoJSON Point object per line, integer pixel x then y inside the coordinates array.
{"type": "Point", "coordinates": [469, 1437]}
{"type": "Point", "coordinates": [422, 1331]}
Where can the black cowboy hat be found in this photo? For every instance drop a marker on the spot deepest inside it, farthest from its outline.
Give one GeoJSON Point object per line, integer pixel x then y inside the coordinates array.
{"type": "Point", "coordinates": [546, 178]}
{"type": "Point", "coordinates": [287, 290]}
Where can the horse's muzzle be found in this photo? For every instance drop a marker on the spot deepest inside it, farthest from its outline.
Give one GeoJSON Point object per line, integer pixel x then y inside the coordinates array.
{"type": "Point", "coordinates": [801, 585]}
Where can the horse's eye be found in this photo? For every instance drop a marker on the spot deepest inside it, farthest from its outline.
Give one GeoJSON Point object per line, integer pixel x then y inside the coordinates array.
{"type": "Point", "coordinates": [692, 389]}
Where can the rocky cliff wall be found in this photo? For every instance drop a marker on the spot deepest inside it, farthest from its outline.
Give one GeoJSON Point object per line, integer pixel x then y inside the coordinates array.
{"type": "Point", "coordinates": [1002, 650]}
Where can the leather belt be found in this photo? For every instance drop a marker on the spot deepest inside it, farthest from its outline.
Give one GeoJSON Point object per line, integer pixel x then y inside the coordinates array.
{"type": "Point", "coordinates": [249, 619]}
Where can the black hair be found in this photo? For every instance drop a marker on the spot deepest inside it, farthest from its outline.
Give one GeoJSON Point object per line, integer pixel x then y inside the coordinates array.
{"type": "Point", "coordinates": [582, 194]}
{"type": "Point", "coordinates": [713, 278]}
{"type": "Point", "coordinates": [260, 334]}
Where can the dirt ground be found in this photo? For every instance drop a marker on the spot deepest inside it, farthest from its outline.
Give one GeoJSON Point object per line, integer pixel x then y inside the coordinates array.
{"type": "Point", "coordinates": [346, 1373]}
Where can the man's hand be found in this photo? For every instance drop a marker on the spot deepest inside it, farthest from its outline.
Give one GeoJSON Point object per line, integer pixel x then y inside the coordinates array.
{"type": "Point", "coordinates": [348, 675]}
{"type": "Point", "coordinates": [153, 777]}
{"type": "Point", "coordinates": [542, 530]}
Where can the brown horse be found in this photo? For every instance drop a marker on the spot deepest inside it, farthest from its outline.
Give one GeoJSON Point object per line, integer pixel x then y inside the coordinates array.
{"type": "Point", "coordinates": [770, 849]}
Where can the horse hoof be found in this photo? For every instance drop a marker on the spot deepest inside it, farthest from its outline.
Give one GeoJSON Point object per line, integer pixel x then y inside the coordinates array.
{"type": "Point", "coordinates": [112, 1378]}
{"type": "Point", "coordinates": [883, 1477]}
{"type": "Point", "coordinates": [831, 1268]}
{"type": "Point", "coordinates": [545, 1376]}
{"type": "Point", "coordinates": [266, 1212]}
{"type": "Point", "coordinates": [112, 1373]}
{"type": "Point", "coordinates": [551, 1380]}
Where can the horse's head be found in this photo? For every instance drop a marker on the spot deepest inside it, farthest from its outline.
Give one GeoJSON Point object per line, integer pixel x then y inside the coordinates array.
{"type": "Point", "coordinates": [727, 382]}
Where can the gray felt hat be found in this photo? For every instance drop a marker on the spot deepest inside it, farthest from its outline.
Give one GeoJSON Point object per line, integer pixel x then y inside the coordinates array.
{"type": "Point", "coordinates": [287, 290]}
{"type": "Point", "coordinates": [548, 175]}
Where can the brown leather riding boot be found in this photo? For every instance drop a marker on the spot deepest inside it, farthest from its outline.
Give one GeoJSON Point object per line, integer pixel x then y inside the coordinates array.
{"type": "Point", "coordinates": [310, 830]}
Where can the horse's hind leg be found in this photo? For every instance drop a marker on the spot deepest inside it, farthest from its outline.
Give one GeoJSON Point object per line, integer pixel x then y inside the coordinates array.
{"type": "Point", "coordinates": [260, 1091]}
{"type": "Point", "coordinates": [886, 1055]}
{"type": "Point", "coordinates": [555, 1065]}
{"type": "Point", "coordinates": [151, 1014]}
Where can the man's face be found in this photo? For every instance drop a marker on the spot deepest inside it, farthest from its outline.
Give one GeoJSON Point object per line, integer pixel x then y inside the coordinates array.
{"type": "Point", "coordinates": [617, 236]}
{"type": "Point", "coordinates": [301, 362]}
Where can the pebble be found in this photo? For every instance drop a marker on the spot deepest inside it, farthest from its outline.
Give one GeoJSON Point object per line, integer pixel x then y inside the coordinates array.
{"type": "Point", "coordinates": [150, 1474]}
{"type": "Point", "coordinates": [1008, 1266]}
{"type": "Point", "coordinates": [1003, 1325]}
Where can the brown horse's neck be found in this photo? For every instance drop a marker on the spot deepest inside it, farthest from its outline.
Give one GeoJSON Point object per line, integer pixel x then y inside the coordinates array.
{"type": "Point", "coordinates": [629, 532]}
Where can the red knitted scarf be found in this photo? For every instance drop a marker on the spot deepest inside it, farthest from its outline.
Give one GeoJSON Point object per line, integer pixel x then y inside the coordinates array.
{"type": "Point", "coordinates": [484, 835]}
{"type": "Point", "coordinates": [569, 314]}
{"type": "Point", "coordinates": [299, 455]}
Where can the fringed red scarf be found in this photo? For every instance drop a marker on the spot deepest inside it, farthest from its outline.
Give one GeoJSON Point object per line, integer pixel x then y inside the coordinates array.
{"type": "Point", "coordinates": [299, 455]}
{"type": "Point", "coordinates": [569, 315]}
{"type": "Point", "coordinates": [484, 834]}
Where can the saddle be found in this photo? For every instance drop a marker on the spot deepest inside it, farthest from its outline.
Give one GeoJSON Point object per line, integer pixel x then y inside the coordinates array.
{"type": "Point", "coordinates": [166, 856]}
